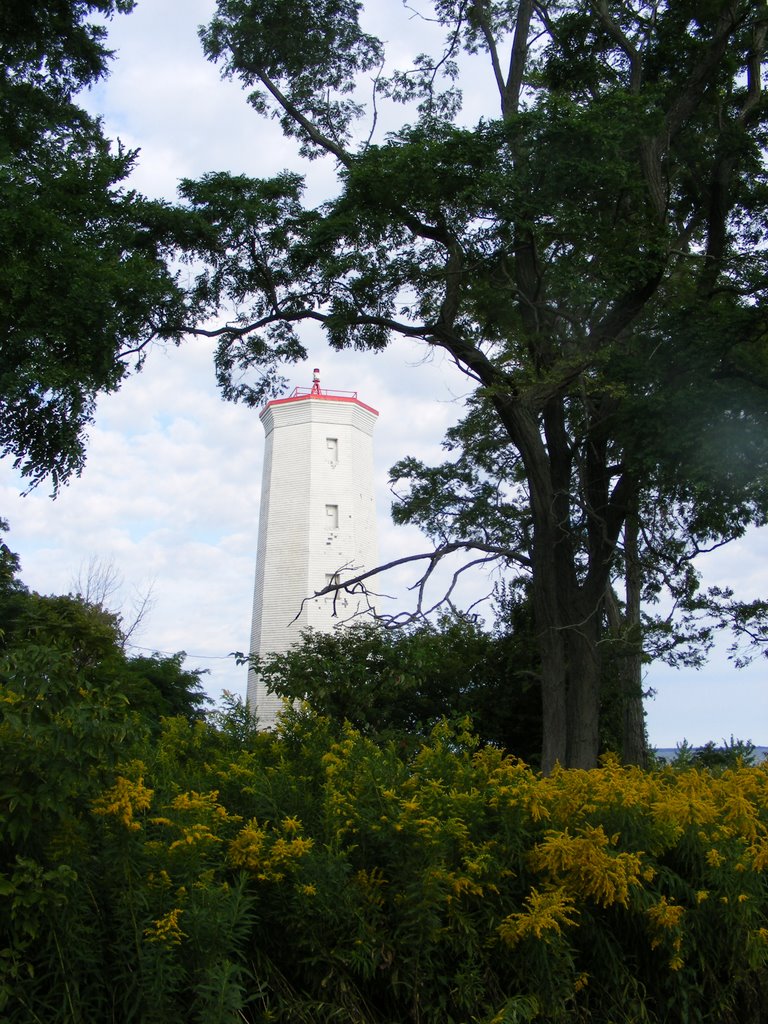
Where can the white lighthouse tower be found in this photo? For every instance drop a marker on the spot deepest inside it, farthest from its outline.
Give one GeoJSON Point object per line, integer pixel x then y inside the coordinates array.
{"type": "Point", "coordinates": [317, 522]}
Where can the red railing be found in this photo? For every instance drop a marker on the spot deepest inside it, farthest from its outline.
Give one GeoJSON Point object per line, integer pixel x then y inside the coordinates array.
{"type": "Point", "coordinates": [321, 393]}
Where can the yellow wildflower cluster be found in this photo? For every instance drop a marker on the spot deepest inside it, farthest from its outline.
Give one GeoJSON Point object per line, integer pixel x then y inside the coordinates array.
{"type": "Point", "coordinates": [758, 855]}
{"type": "Point", "coordinates": [197, 821]}
{"type": "Point", "coordinates": [284, 851]}
{"type": "Point", "coordinates": [586, 863]}
{"type": "Point", "coordinates": [725, 806]}
{"type": "Point", "coordinates": [545, 915]}
{"type": "Point", "coordinates": [166, 929]}
{"type": "Point", "coordinates": [348, 766]}
{"type": "Point", "coordinates": [562, 888]}
{"type": "Point", "coordinates": [245, 850]}
{"type": "Point", "coordinates": [265, 852]}
{"type": "Point", "coordinates": [666, 920]}
{"type": "Point", "coordinates": [200, 803]}
{"type": "Point", "coordinates": [665, 916]}
{"type": "Point", "coordinates": [194, 835]}
{"type": "Point", "coordinates": [714, 858]}
{"type": "Point", "coordinates": [123, 800]}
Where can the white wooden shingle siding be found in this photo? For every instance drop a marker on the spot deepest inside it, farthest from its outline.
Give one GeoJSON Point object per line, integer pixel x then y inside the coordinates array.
{"type": "Point", "coordinates": [317, 520]}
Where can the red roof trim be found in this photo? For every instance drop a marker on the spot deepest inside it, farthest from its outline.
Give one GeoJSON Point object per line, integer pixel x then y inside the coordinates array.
{"type": "Point", "coordinates": [321, 398]}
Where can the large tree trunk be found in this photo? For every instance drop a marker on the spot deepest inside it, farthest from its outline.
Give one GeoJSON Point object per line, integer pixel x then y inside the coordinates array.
{"type": "Point", "coordinates": [568, 613]}
{"type": "Point", "coordinates": [634, 747]}
{"type": "Point", "coordinates": [549, 573]}
{"type": "Point", "coordinates": [553, 677]}
{"type": "Point", "coordinates": [627, 670]}
{"type": "Point", "coordinates": [626, 630]}
{"type": "Point", "coordinates": [584, 681]}
{"type": "Point", "coordinates": [569, 643]}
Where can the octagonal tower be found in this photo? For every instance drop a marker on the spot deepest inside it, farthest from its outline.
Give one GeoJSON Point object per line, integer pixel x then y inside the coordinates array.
{"type": "Point", "coordinates": [317, 520]}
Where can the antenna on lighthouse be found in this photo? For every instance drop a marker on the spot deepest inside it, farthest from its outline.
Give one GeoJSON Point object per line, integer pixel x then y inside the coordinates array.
{"type": "Point", "coordinates": [315, 382]}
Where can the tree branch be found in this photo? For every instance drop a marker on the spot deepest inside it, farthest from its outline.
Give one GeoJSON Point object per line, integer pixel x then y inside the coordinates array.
{"type": "Point", "coordinates": [420, 331]}
{"type": "Point", "coordinates": [692, 94]}
{"type": "Point", "coordinates": [517, 58]}
{"type": "Point", "coordinates": [622, 41]}
{"type": "Point", "coordinates": [293, 112]}
{"type": "Point", "coordinates": [356, 585]}
{"type": "Point", "coordinates": [479, 10]}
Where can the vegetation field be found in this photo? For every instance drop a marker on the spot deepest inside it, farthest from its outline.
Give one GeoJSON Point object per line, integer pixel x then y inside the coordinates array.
{"type": "Point", "coordinates": [205, 872]}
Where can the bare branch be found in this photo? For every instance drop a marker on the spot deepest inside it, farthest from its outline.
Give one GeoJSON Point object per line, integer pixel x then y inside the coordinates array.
{"type": "Point", "coordinates": [238, 331]}
{"type": "Point", "coordinates": [420, 612]}
{"type": "Point", "coordinates": [137, 350]}
{"type": "Point", "coordinates": [142, 604]}
{"type": "Point", "coordinates": [356, 585]}
{"type": "Point", "coordinates": [97, 581]}
{"type": "Point", "coordinates": [480, 12]}
{"type": "Point", "coordinates": [509, 87]}
{"type": "Point", "coordinates": [375, 118]}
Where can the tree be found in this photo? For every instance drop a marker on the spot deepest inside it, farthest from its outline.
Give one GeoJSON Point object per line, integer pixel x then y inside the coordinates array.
{"type": "Point", "coordinates": [480, 492]}
{"type": "Point", "coordinates": [85, 641]}
{"type": "Point", "coordinates": [86, 282]}
{"type": "Point", "coordinates": [591, 254]}
{"type": "Point", "coordinates": [160, 687]}
{"type": "Point", "coordinates": [399, 684]}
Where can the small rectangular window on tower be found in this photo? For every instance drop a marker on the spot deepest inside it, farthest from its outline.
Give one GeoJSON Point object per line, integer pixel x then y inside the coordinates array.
{"type": "Point", "coordinates": [332, 514]}
{"type": "Point", "coordinates": [336, 597]}
{"type": "Point", "coordinates": [332, 444]}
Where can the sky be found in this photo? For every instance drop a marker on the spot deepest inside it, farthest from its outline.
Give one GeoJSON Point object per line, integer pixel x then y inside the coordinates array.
{"type": "Point", "coordinates": [170, 492]}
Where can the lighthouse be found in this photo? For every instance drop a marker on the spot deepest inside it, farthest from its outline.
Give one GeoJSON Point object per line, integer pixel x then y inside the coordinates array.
{"type": "Point", "coordinates": [317, 522]}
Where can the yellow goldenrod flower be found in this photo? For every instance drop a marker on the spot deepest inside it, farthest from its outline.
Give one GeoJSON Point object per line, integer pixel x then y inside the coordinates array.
{"type": "Point", "coordinates": [714, 858]}
{"type": "Point", "coordinates": [194, 835]}
{"type": "Point", "coordinates": [585, 863]}
{"type": "Point", "coordinates": [545, 915]}
{"type": "Point", "coordinates": [666, 915]}
{"type": "Point", "coordinates": [759, 855]}
{"type": "Point", "coordinates": [205, 802]}
{"type": "Point", "coordinates": [123, 800]}
{"type": "Point", "coordinates": [166, 929]}
{"type": "Point", "coordinates": [245, 850]}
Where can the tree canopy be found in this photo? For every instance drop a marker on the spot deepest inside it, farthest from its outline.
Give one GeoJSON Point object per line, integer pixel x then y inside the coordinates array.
{"type": "Point", "coordinates": [87, 281]}
{"type": "Point", "coordinates": [590, 250]}
{"type": "Point", "coordinates": [398, 685]}
{"type": "Point", "coordinates": [588, 247]}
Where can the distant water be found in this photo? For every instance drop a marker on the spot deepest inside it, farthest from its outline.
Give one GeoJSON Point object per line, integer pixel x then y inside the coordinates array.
{"type": "Point", "coordinates": [670, 753]}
